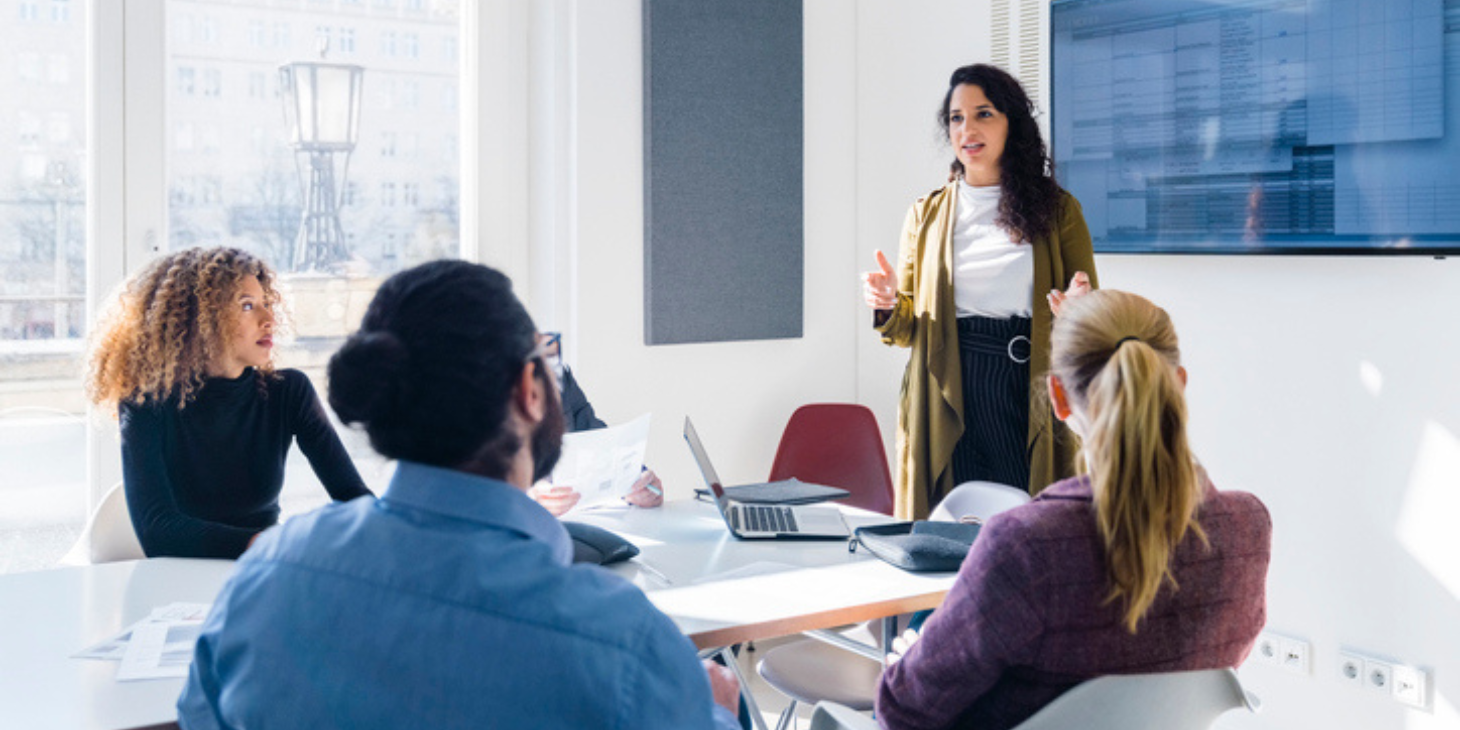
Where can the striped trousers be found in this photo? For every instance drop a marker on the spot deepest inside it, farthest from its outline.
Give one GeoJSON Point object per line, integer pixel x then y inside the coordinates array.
{"type": "Point", "coordinates": [994, 354]}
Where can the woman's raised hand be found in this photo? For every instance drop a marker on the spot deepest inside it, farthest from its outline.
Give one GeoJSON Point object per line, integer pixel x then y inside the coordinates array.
{"type": "Point", "coordinates": [1079, 286]}
{"type": "Point", "coordinates": [879, 288]}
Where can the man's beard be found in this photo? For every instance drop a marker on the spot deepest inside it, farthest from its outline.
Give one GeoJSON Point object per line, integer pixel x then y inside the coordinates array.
{"type": "Point", "coordinates": [547, 438]}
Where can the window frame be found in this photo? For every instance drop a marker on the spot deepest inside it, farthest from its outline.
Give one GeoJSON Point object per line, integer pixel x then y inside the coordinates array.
{"type": "Point", "coordinates": [126, 220]}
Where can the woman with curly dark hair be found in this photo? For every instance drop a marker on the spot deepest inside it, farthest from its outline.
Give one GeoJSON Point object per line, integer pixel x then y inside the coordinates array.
{"type": "Point", "coordinates": [185, 355]}
{"type": "Point", "coordinates": [968, 296]}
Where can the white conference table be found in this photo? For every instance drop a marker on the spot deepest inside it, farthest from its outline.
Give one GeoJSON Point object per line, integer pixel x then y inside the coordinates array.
{"type": "Point", "coordinates": [48, 615]}
{"type": "Point", "coordinates": [719, 591]}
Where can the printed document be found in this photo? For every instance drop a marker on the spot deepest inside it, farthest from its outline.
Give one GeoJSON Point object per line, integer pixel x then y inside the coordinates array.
{"type": "Point", "coordinates": [603, 464]}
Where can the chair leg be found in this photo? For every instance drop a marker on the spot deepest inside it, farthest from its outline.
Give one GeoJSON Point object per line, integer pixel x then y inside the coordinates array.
{"type": "Point", "coordinates": [787, 716]}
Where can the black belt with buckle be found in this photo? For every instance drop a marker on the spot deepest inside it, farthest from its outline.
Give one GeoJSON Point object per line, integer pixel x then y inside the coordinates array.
{"type": "Point", "coordinates": [1001, 337]}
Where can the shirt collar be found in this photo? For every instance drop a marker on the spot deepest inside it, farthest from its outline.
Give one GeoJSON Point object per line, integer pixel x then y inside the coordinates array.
{"type": "Point", "coordinates": [1079, 488]}
{"type": "Point", "coordinates": [1075, 488]}
{"type": "Point", "coordinates": [477, 499]}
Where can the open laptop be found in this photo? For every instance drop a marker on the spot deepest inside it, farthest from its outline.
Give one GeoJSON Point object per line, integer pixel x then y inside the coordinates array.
{"type": "Point", "coordinates": [765, 521]}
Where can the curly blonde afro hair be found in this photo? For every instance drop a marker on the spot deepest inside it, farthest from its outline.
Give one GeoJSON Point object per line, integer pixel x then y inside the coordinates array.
{"type": "Point", "coordinates": [167, 325]}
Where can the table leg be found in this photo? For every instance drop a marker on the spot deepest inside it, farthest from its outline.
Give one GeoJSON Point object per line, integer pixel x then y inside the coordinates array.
{"type": "Point", "coordinates": [889, 632]}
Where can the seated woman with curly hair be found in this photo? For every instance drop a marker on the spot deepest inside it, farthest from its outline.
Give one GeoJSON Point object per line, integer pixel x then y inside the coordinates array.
{"type": "Point", "coordinates": [185, 355]}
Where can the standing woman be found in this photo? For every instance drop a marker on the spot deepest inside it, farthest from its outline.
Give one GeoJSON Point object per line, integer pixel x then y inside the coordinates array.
{"type": "Point", "coordinates": [185, 355]}
{"type": "Point", "coordinates": [983, 262]}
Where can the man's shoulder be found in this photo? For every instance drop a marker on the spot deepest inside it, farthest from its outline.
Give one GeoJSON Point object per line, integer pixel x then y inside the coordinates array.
{"type": "Point", "coordinates": [603, 600]}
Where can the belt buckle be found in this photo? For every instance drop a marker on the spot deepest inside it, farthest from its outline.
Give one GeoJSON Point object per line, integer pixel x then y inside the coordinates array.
{"type": "Point", "coordinates": [1009, 349]}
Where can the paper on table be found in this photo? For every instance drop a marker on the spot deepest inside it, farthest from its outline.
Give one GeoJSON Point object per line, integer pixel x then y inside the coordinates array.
{"type": "Point", "coordinates": [603, 464]}
{"type": "Point", "coordinates": [159, 649]}
{"type": "Point", "coordinates": [181, 612]}
{"type": "Point", "coordinates": [112, 648]}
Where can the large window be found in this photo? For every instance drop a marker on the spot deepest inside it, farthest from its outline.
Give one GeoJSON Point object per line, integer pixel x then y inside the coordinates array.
{"type": "Point", "coordinates": [229, 177]}
{"type": "Point", "coordinates": [241, 182]}
{"type": "Point", "coordinates": [43, 315]}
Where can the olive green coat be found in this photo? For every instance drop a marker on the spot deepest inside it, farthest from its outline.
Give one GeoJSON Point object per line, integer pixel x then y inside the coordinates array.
{"type": "Point", "coordinates": [930, 414]}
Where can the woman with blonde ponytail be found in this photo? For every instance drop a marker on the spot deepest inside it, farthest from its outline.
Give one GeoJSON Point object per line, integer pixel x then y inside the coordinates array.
{"type": "Point", "coordinates": [1138, 565]}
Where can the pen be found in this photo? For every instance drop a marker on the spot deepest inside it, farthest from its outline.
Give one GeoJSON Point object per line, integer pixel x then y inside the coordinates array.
{"type": "Point", "coordinates": [650, 486]}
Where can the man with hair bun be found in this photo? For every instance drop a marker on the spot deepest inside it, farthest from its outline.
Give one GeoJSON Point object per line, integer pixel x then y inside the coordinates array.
{"type": "Point", "coordinates": [450, 602]}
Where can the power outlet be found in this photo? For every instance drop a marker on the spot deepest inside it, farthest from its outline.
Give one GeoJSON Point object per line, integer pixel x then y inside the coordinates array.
{"type": "Point", "coordinates": [1409, 686]}
{"type": "Point", "coordinates": [1269, 649]}
{"type": "Point", "coordinates": [1351, 669]}
{"type": "Point", "coordinates": [1379, 676]}
{"type": "Point", "coordinates": [1295, 655]}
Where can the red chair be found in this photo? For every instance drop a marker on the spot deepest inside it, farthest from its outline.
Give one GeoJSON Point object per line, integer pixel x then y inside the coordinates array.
{"type": "Point", "coordinates": [839, 445]}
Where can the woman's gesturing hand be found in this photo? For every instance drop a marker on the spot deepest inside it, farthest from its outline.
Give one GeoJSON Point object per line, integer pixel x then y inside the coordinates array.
{"type": "Point", "coordinates": [879, 288]}
{"type": "Point", "coordinates": [1079, 286]}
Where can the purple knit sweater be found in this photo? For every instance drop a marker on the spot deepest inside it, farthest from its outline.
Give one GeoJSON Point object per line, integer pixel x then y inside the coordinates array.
{"type": "Point", "coordinates": [1027, 618]}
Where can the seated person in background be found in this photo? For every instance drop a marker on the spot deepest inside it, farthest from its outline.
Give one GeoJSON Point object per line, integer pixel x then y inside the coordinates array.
{"type": "Point", "coordinates": [1140, 566]}
{"type": "Point", "coordinates": [185, 356]}
{"type": "Point", "coordinates": [450, 602]}
{"type": "Point", "coordinates": [579, 415]}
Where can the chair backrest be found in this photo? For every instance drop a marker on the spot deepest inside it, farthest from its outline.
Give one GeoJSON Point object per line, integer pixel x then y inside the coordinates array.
{"type": "Point", "coordinates": [979, 499]}
{"type": "Point", "coordinates": [110, 531]}
{"type": "Point", "coordinates": [1165, 701]}
{"type": "Point", "coordinates": [839, 445]}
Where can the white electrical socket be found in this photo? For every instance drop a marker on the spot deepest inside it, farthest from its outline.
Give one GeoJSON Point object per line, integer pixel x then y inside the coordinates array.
{"type": "Point", "coordinates": [1378, 676]}
{"type": "Point", "coordinates": [1269, 649]}
{"type": "Point", "coordinates": [1295, 654]}
{"type": "Point", "coordinates": [1351, 669]}
{"type": "Point", "coordinates": [1409, 686]}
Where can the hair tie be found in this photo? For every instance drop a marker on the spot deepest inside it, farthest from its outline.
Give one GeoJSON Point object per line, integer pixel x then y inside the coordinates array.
{"type": "Point", "coordinates": [1123, 340]}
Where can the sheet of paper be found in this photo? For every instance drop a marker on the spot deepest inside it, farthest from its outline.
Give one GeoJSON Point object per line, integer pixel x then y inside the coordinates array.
{"type": "Point", "coordinates": [603, 464]}
{"type": "Point", "coordinates": [159, 649]}
{"type": "Point", "coordinates": [181, 612]}
{"type": "Point", "coordinates": [112, 648]}
{"type": "Point", "coordinates": [158, 646]}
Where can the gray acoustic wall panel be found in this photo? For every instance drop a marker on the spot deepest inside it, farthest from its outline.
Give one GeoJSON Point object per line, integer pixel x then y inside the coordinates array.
{"type": "Point", "coordinates": [723, 225]}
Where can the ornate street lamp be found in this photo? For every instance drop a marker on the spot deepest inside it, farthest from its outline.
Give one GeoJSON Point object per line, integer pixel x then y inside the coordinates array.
{"type": "Point", "coordinates": [322, 107]}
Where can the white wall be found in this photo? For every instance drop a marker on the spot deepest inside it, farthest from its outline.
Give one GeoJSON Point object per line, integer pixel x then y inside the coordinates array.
{"type": "Point", "coordinates": [1327, 386]}
{"type": "Point", "coordinates": [739, 393]}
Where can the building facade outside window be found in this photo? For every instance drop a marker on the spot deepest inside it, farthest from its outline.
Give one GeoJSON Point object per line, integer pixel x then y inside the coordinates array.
{"type": "Point", "coordinates": [231, 178]}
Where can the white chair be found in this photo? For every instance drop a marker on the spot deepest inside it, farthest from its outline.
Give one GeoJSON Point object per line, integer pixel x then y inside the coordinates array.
{"type": "Point", "coordinates": [811, 672]}
{"type": "Point", "coordinates": [978, 499]}
{"type": "Point", "coordinates": [1164, 701]}
{"type": "Point", "coordinates": [108, 536]}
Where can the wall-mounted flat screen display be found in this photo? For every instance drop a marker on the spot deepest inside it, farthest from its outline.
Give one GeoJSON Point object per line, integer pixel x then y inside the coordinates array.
{"type": "Point", "coordinates": [1260, 126]}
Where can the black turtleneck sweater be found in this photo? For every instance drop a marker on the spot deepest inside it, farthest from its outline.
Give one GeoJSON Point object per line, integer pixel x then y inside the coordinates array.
{"type": "Point", "coordinates": [201, 481]}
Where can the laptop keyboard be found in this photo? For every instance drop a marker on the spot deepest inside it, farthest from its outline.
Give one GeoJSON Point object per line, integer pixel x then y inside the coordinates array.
{"type": "Point", "coordinates": [768, 518]}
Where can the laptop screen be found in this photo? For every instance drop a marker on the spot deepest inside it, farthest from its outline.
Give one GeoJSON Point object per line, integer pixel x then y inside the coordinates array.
{"type": "Point", "coordinates": [703, 459]}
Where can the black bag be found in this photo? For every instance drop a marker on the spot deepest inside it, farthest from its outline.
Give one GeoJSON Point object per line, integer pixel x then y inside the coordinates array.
{"type": "Point", "coordinates": [923, 546]}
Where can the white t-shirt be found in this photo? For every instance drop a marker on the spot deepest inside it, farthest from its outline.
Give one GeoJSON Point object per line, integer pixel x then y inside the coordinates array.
{"type": "Point", "coordinates": [992, 275]}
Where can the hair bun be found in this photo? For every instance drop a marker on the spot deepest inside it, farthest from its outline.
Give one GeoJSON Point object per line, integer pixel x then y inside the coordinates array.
{"type": "Point", "coordinates": [367, 375]}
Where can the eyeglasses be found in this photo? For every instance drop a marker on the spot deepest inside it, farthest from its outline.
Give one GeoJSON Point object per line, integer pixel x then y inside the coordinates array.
{"type": "Point", "coordinates": [549, 348]}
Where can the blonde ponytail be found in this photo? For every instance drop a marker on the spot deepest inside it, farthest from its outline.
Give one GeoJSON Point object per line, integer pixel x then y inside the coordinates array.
{"type": "Point", "coordinates": [1116, 354]}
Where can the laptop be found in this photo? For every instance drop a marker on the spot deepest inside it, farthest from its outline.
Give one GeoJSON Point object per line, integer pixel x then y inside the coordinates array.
{"type": "Point", "coordinates": [766, 521]}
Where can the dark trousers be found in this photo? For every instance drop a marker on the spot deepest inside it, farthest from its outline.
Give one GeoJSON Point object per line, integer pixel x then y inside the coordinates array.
{"type": "Point", "coordinates": [994, 354]}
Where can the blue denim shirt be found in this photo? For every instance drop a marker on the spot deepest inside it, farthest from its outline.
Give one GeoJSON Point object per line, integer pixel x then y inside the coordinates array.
{"type": "Point", "coordinates": [448, 603]}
